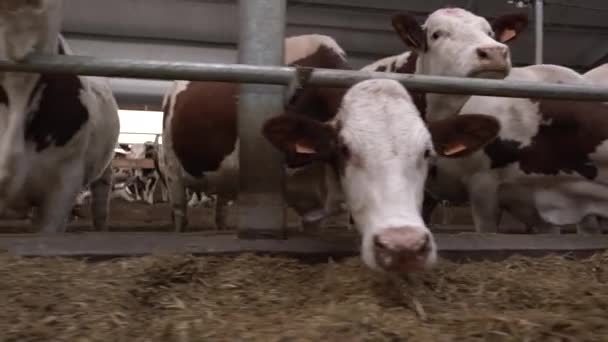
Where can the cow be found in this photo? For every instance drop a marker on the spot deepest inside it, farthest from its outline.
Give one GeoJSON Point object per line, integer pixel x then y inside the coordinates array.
{"type": "Point", "coordinates": [379, 149]}
{"type": "Point", "coordinates": [144, 181]}
{"type": "Point", "coordinates": [549, 154]}
{"type": "Point", "coordinates": [200, 146]}
{"type": "Point", "coordinates": [57, 132]}
{"type": "Point", "coordinates": [598, 75]}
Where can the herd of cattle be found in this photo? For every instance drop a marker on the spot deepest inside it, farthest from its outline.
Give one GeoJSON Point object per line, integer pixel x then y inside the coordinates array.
{"type": "Point", "coordinates": [382, 153]}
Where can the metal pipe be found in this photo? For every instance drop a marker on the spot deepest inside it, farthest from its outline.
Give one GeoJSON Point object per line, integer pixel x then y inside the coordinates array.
{"type": "Point", "coordinates": [261, 208]}
{"type": "Point", "coordinates": [150, 69]}
{"type": "Point", "coordinates": [538, 25]}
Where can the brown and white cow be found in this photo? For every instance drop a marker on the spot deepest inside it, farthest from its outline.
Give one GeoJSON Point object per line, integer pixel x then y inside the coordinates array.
{"type": "Point", "coordinates": [379, 150]}
{"type": "Point", "coordinates": [549, 154]}
{"type": "Point", "coordinates": [598, 75]}
{"type": "Point", "coordinates": [57, 132]}
{"type": "Point", "coordinates": [200, 146]}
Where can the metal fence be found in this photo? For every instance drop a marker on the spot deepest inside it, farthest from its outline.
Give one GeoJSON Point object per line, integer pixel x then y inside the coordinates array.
{"type": "Point", "coordinates": [262, 29]}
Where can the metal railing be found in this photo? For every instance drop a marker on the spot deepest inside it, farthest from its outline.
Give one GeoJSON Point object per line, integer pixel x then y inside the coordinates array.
{"type": "Point", "coordinates": [282, 75]}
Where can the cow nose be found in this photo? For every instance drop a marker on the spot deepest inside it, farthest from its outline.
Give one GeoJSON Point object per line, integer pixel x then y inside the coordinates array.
{"type": "Point", "coordinates": [403, 249]}
{"type": "Point", "coordinates": [493, 54]}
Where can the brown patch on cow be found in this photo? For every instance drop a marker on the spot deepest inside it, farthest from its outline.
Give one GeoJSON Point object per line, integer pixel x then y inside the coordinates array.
{"type": "Point", "coordinates": [569, 132]}
{"type": "Point", "coordinates": [324, 57]}
{"type": "Point", "coordinates": [509, 26]}
{"type": "Point", "coordinates": [380, 68]}
{"type": "Point", "coordinates": [204, 122]}
{"type": "Point", "coordinates": [59, 114]}
{"type": "Point", "coordinates": [410, 31]}
{"type": "Point", "coordinates": [418, 97]}
{"type": "Point", "coordinates": [320, 103]}
{"type": "Point", "coordinates": [203, 126]}
{"type": "Point", "coordinates": [461, 135]}
{"type": "Point", "coordinates": [288, 132]}
{"type": "Point", "coordinates": [409, 67]}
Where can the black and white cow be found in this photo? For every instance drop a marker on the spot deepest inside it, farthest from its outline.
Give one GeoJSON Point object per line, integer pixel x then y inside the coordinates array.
{"type": "Point", "coordinates": [547, 162]}
{"type": "Point", "coordinates": [57, 132]}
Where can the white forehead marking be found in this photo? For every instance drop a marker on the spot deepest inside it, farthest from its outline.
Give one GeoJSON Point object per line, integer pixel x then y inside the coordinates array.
{"type": "Point", "coordinates": [380, 121]}
{"type": "Point", "coordinates": [455, 16]}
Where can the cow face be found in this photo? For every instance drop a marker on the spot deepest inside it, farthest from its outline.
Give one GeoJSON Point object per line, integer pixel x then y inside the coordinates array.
{"type": "Point", "coordinates": [28, 26]}
{"type": "Point", "coordinates": [455, 42]}
{"type": "Point", "coordinates": [380, 149]}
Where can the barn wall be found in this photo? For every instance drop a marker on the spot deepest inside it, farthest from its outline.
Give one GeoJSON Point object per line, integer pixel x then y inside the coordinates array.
{"type": "Point", "coordinates": [206, 31]}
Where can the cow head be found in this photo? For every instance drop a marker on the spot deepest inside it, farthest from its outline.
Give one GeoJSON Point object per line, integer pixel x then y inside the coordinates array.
{"type": "Point", "coordinates": [28, 26]}
{"type": "Point", "coordinates": [455, 42]}
{"type": "Point", "coordinates": [380, 148]}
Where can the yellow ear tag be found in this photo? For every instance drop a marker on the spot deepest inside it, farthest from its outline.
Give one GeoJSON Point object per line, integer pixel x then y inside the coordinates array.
{"type": "Point", "coordinates": [507, 35]}
{"type": "Point", "coordinates": [303, 149]}
{"type": "Point", "coordinates": [453, 149]}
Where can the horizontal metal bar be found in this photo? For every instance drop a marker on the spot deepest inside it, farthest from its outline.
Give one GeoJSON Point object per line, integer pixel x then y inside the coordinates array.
{"type": "Point", "coordinates": [464, 246]}
{"type": "Point", "coordinates": [133, 163]}
{"type": "Point", "coordinates": [151, 69]}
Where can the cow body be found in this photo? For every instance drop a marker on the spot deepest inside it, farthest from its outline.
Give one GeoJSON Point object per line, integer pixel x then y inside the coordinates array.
{"type": "Point", "coordinates": [200, 145]}
{"type": "Point", "coordinates": [541, 161]}
{"type": "Point", "coordinates": [57, 132]}
{"type": "Point", "coordinates": [598, 75]}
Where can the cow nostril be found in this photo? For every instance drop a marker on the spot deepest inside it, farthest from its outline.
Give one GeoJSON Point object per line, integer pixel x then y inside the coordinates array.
{"type": "Point", "coordinates": [482, 54]}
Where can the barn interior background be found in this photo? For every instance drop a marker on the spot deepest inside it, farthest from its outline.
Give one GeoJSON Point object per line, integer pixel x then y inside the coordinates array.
{"type": "Point", "coordinates": [575, 35]}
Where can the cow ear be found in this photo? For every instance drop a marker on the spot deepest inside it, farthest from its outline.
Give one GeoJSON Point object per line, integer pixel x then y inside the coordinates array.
{"type": "Point", "coordinates": [409, 31]}
{"type": "Point", "coordinates": [509, 26]}
{"type": "Point", "coordinates": [464, 134]}
{"type": "Point", "coordinates": [301, 139]}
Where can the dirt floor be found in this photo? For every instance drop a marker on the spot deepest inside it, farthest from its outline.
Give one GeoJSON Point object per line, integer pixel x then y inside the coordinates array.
{"type": "Point", "coordinates": [254, 298]}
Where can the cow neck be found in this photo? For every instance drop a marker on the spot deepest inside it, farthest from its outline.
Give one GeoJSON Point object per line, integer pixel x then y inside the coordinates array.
{"type": "Point", "coordinates": [435, 106]}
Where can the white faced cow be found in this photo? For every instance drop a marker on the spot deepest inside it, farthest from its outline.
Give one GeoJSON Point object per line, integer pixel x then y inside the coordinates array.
{"type": "Point", "coordinates": [57, 132]}
{"type": "Point", "coordinates": [200, 146]}
{"type": "Point", "coordinates": [379, 149]}
{"type": "Point", "coordinates": [549, 154]}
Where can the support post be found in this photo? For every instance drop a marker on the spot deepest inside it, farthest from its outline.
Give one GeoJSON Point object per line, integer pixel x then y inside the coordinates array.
{"type": "Point", "coordinates": [261, 208]}
{"type": "Point", "coordinates": [538, 24]}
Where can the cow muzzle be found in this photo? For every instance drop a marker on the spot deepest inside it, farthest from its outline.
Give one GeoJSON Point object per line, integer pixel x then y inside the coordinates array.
{"type": "Point", "coordinates": [493, 62]}
{"type": "Point", "coordinates": [403, 249]}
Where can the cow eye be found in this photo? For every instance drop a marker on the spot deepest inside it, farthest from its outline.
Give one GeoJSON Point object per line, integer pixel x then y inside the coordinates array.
{"type": "Point", "coordinates": [427, 154]}
{"type": "Point", "coordinates": [436, 35]}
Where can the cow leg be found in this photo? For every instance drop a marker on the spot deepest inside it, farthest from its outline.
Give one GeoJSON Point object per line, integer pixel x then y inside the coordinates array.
{"type": "Point", "coordinates": [483, 193]}
{"type": "Point", "coordinates": [100, 199]}
{"type": "Point", "coordinates": [177, 196]}
{"type": "Point", "coordinates": [590, 225]}
{"type": "Point", "coordinates": [52, 215]}
{"type": "Point", "coordinates": [149, 191]}
{"type": "Point", "coordinates": [221, 212]}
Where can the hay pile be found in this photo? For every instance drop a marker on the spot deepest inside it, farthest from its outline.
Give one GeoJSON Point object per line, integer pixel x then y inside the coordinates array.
{"type": "Point", "coordinates": [278, 299]}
